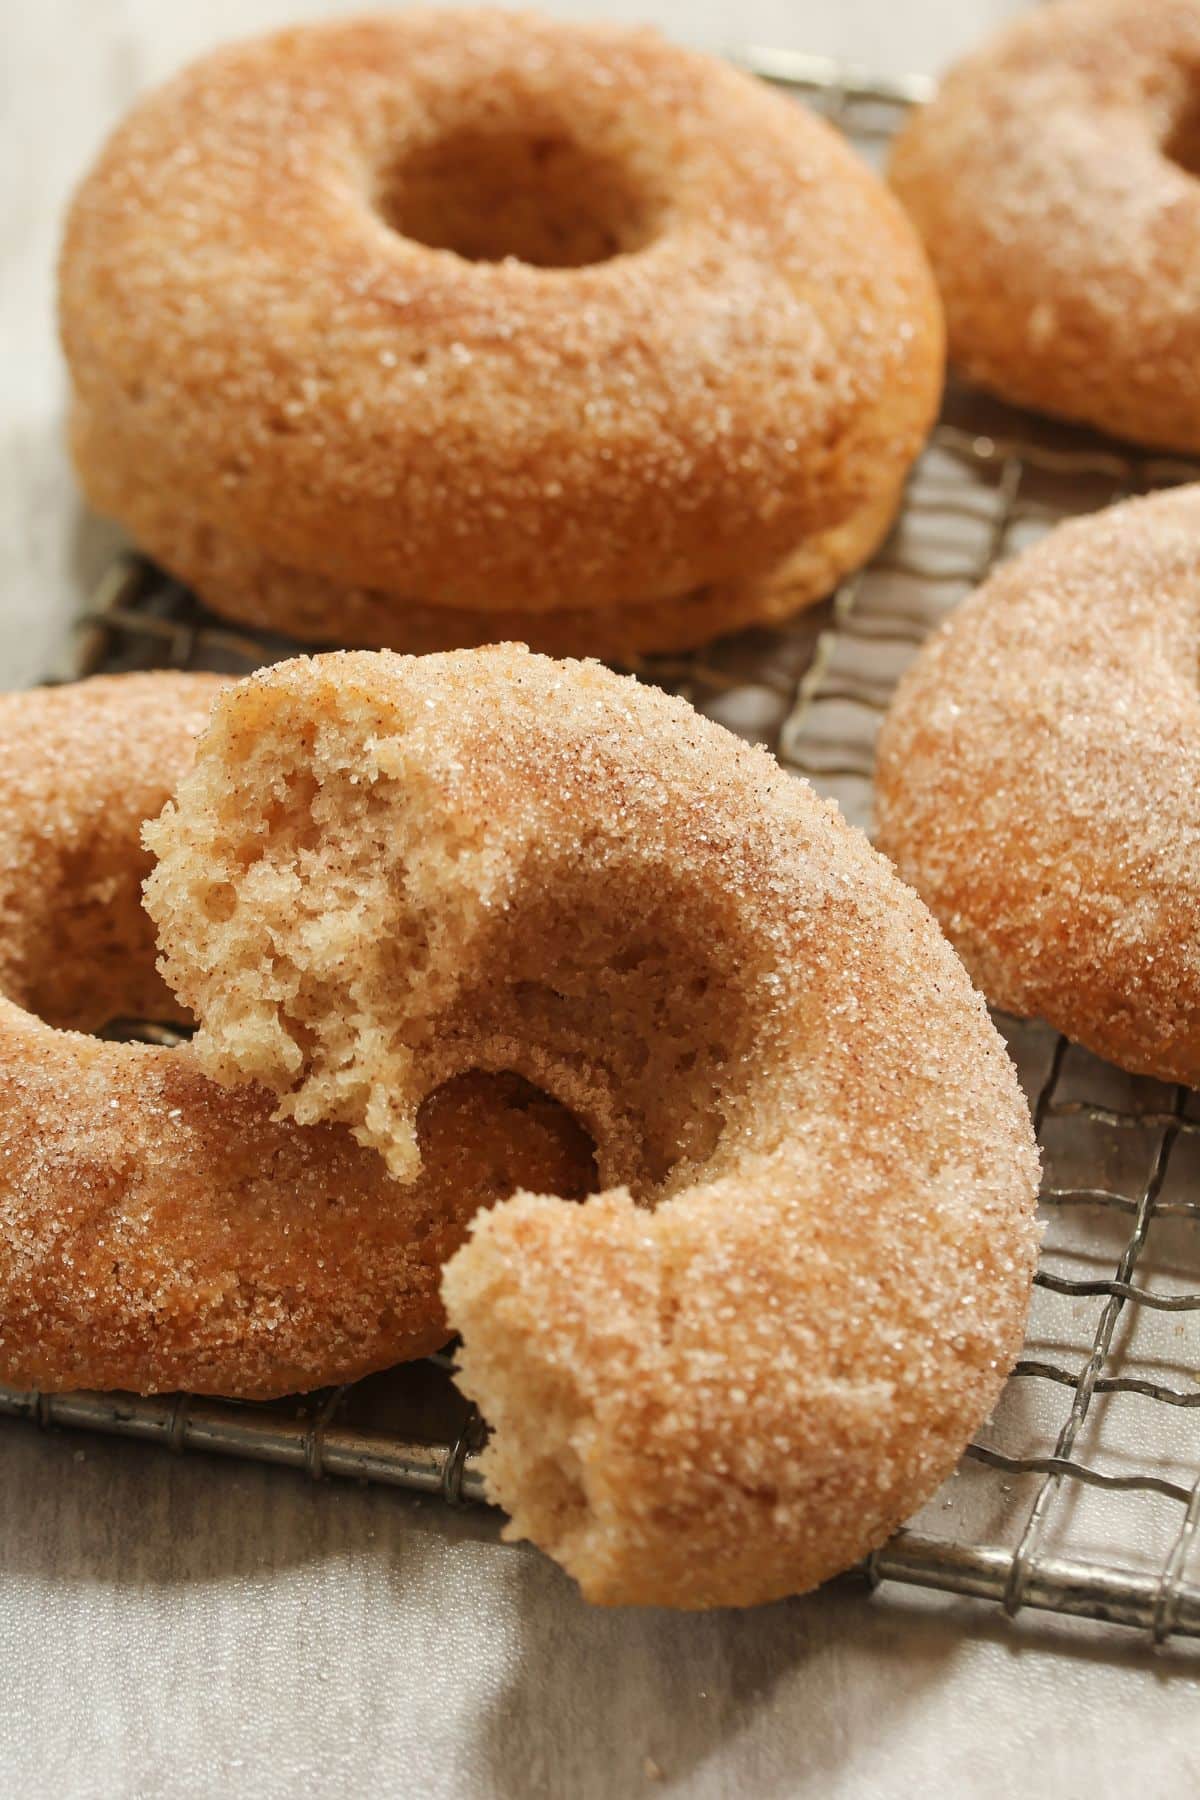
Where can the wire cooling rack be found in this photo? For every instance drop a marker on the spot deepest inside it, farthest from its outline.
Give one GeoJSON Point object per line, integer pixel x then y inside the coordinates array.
{"type": "Point", "coordinates": [1082, 1493]}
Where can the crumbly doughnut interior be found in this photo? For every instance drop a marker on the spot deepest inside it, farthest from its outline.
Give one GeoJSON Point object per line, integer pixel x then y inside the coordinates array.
{"type": "Point", "coordinates": [360, 900]}
{"type": "Point", "coordinates": [158, 1232]}
{"type": "Point", "coordinates": [535, 195]}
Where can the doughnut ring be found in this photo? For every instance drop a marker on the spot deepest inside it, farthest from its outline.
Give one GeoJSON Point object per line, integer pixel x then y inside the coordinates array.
{"type": "Point", "coordinates": [530, 319]}
{"type": "Point", "coordinates": [1038, 783]}
{"type": "Point", "coordinates": [156, 1231]}
{"type": "Point", "coordinates": [765, 1340]}
{"type": "Point", "coordinates": [1053, 181]}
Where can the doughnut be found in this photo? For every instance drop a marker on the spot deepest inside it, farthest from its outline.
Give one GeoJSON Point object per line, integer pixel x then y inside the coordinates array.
{"type": "Point", "coordinates": [1038, 783]}
{"type": "Point", "coordinates": [1054, 183]}
{"type": "Point", "coordinates": [803, 1272]}
{"type": "Point", "coordinates": [412, 328]}
{"type": "Point", "coordinates": [158, 1232]}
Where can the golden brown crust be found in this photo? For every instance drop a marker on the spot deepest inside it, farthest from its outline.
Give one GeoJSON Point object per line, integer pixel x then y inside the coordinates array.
{"type": "Point", "coordinates": [744, 1363]}
{"type": "Point", "coordinates": [1039, 783]}
{"type": "Point", "coordinates": [251, 589]}
{"type": "Point", "coordinates": [1053, 181]}
{"type": "Point", "coordinates": [156, 1231]}
{"type": "Point", "coordinates": [326, 395]}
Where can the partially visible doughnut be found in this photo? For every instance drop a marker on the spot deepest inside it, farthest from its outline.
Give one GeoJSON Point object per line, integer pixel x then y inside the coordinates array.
{"type": "Point", "coordinates": [1038, 783]}
{"type": "Point", "coordinates": [766, 1341]}
{"type": "Point", "coordinates": [157, 1231]}
{"type": "Point", "coordinates": [1054, 183]}
{"type": "Point", "coordinates": [497, 317]}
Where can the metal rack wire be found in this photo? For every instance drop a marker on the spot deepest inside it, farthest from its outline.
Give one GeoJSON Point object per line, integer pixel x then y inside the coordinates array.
{"type": "Point", "coordinates": [1082, 1494]}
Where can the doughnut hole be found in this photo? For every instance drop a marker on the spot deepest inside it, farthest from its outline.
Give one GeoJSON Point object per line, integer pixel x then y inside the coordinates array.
{"type": "Point", "coordinates": [78, 950]}
{"type": "Point", "coordinates": [536, 197]}
{"type": "Point", "coordinates": [482, 1137]}
{"type": "Point", "coordinates": [1181, 144]}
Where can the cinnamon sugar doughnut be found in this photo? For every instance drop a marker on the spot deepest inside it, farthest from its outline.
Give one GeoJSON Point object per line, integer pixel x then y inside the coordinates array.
{"type": "Point", "coordinates": [157, 1231]}
{"type": "Point", "coordinates": [1054, 183]}
{"type": "Point", "coordinates": [1039, 783]}
{"type": "Point", "coordinates": [460, 321]}
{"type": "Point", "coordinates": [741, 1364]}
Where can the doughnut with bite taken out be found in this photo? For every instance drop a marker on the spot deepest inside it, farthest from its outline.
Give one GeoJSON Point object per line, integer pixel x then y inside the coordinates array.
{"type": "Point", "coordinates": [741, 1364]}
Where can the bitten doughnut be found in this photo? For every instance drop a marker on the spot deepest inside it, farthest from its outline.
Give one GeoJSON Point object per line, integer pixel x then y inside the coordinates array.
{"type": "Point", "coordinates": [1039, 783]}
{"type": "Point", "coordinates": [157, 1231]}
{"type": "Point", "coordinates": [422, 328]}
{"type": "Point", "coordinates": [767, 1338]}
{"type": "Point", "coordinates": [1054, 183]}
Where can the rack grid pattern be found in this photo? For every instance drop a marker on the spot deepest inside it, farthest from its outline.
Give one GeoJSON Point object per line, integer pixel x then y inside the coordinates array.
{"type": "Point", "coordinates": [1082, 1494]}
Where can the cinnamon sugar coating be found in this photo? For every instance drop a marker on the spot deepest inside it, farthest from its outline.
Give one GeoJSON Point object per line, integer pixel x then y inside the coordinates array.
{"type": "Point", "coordinates": [299, 604]}
{"type": "Point", "coordinates": [158, 1231]}
{"type": "Point", "coordinates": [664, 331]}
{"type": "Point", "coordinates": [742, 1363]}
{"type": "Point", "coordinates": [1053, 182]}
{"type": "Point", "coordinates": [1038, 782]}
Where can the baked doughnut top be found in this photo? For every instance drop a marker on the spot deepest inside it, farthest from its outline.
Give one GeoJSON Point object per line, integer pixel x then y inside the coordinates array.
{"type": "Point", "coordinates": [487, 312]}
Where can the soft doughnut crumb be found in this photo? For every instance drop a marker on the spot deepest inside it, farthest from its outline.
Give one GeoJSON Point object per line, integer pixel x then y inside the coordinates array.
{"type": "Point", "coordinates": [764, 1342]}
{"type": "Point", "coordinates": [158, 1232]}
